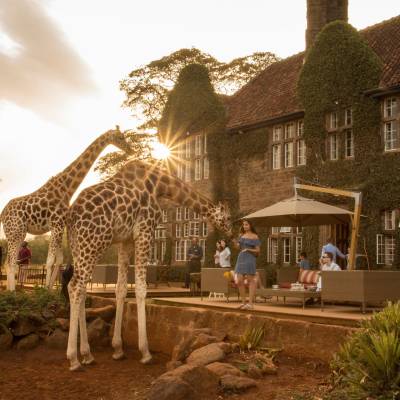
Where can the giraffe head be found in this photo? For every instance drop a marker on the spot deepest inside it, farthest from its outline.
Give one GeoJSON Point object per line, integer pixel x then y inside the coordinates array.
{"type": "Point", "coordinates": [118, 139]}
{"type": "Point", "coordinates": [221, 217]}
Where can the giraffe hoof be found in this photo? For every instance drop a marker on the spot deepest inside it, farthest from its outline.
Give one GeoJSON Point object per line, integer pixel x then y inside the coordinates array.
{"type": "Point", "coordinates": [88, 359]}
{"type": "Point", "coordinates": [146, 359]}
{"type": "Point", "coordinates": [76, 367]}
{"type": "Point", "coordinates": [119, 355]}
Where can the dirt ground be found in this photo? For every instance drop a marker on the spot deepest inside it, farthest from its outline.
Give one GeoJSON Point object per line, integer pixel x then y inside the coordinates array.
{"type": "Point", "coordinates": [43, 374]}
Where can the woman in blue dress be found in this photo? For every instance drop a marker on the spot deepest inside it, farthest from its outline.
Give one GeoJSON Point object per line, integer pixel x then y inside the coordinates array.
{"type": "Point", "coordinates": [249, 246]}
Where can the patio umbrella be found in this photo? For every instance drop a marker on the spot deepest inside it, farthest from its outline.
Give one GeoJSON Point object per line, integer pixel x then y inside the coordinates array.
{"type": "Point", "coordinates": [300, 211]}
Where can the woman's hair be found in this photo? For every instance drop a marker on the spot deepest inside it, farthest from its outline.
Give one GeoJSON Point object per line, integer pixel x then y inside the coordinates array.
{"type": "Point", "coordinates": [329, 254]}
{"type": "Point", "coordinates": [252, 229]}
{"type": "Point", "coordinates": [225, 242]}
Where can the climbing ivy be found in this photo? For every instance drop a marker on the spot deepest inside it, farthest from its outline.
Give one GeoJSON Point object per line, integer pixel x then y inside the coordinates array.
{"type": "Point", "coordinates": [337, 72]}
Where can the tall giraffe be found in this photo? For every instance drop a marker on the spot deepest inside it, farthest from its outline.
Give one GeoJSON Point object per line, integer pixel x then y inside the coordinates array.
{"type": "Point", "coordinates": [45, 209]}
{"type": "Point", "coordinates": [125, 210]}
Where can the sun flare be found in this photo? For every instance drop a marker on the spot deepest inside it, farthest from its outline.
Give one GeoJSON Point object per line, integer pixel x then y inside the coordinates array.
{"type": "Point", "coordinates": [160, 151]}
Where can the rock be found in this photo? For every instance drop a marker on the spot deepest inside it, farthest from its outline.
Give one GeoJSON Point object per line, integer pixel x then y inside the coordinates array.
{"type": "Point", "coordinates": [222, 369]}
{"type": "Point", "coordinates": [198, 331]}
{"type": "Point", "coordinates": [6, 338]}
{"type": "Point", "coordinates": [36, 319]}
{"type": "Point", "coordinates": [265, 364]}
{"type": "Point", "coordinates": [254, 371]}
{"type": "Point", "coordinates": [97, 332]}
{"type": "Point", "coordinates": [99, 302]}
{"type": "Point", "coordinates": [206, 355]}
{"type": "Point", "coordinates": [22, 326]}
{"type": "Point", "coordinates": [28, 342]}
{"type": "Point", "coordinates": [231, 382]}
{"type": "Point", "coordinates": [170, 388]}
{"type": "Point", "coordinates": [63, 323]}
{"type": "Point", "coordinates": [185, 382]}
{"type": "Point", "coordinates": [58, 340]}
{"type": "Point", "coordinates": [173, 364]}
{"type": "Point", "coordinates": [44, 331]}
{"type": "Point", "coordinates": [203, 339]}
{"type": "Point", "coordinates": [182, 349]}
{"type": "Point", "coordinates": [106, 313]}
{"type": "Point", "coordinates": [62, 313]}
{"type": "Point", "coordinates": [226, 347]}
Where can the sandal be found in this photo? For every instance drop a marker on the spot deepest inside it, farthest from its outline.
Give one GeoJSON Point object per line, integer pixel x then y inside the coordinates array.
{"type": "Point", "coordinates": [248, 307]}
{"type": "Point", "coordinates": [242, 306]}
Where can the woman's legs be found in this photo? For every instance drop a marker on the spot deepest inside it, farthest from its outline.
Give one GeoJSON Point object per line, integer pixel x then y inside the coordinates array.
{"type": "Point", "coordinates": [252, 279]}
{"type": "Point", "coordinates": [242, 289]}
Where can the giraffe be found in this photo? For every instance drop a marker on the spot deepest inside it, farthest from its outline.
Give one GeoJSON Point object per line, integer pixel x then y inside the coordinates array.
{"type": "Point", "coordinates": [45, 209]}
{"type": "Point", "coordinates": [124, 210]}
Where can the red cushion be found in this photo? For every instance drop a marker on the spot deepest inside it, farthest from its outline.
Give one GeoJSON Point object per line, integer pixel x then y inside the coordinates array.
{"type": "Point", "coordinates": [285, 285]}
{"type": "Point", "coordinates": [308, 276]}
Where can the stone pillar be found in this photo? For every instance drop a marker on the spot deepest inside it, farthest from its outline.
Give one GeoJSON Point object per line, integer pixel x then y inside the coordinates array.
{"type": "Point", "coordinates": [320, 13]}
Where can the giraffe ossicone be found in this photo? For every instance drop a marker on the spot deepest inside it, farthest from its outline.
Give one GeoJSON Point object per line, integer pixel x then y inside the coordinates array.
{"type": "Point", "coordinates": [111, 212]}
{"type": "Point", "coordinates": [45, 209]}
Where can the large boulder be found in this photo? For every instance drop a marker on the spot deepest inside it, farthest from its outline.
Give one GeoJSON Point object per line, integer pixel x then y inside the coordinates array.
{"type": "Point", "coordinates": [186, 382]}
{"type": "Point", "coordinates": [222, 369]}
{"type": "Point", "coordinates": [97, 332]}
{"type": "Point", "coordinates": [203, 339]}
{"type": "Point", "coordinates": [206, 355]}
{"type": "Point", "coordinates": [63, 323]}
{"type": "Point", "coordinates": [58, 340]}
{"type": "Point", "coordinates": [106, 313]}
{"type": "Point", "coordinates": [237, 383]}
{"type": "Point", "coordinates": [28, 342]}
{"type": "Point", "coordinates": [6, 338]}
{"type": "Point", "coordinates": [23, 326]}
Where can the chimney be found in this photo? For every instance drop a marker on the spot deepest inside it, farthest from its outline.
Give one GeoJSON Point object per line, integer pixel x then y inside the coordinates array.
{"type": "Point", "coordinates": [320, 13]}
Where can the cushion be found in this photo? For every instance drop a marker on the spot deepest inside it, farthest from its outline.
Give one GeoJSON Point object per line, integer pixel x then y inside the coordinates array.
{"type": "Point", "coordinates": [285, 285]}
{"type": "Point", "coordinates": [308, 276]}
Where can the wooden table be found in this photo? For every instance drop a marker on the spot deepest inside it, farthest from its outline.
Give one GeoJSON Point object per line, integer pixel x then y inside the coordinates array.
{"type": "Point", "coordinates": [300, 294]}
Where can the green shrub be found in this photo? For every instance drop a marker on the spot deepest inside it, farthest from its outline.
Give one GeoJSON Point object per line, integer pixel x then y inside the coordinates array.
{"type": "Point", "coordinates": [368, 364]}
{"type": "Point", "coordinates": [251, 338]}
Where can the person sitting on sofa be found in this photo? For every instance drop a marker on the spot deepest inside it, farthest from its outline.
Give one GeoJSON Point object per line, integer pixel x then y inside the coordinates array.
{"type": "Point", "coordinates": [303, 262]}
{"type": "Point", "coordinates": [327, 264]}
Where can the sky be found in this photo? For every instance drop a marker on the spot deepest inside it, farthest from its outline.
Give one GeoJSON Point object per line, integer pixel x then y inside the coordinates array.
{"type": "Point", "coordinates": [61, 61]}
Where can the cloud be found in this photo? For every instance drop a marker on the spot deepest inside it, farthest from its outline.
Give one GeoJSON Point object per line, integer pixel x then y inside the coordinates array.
{"type": "Point", "coordinates": [41, 72]}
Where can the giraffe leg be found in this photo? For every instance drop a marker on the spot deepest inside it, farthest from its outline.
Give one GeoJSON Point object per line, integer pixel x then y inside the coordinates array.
{"type": "Point", "coordinates": [87, 357]}
{"type": "Point", "coordinates": [121, 290]}
{"type": "Point", "coordinates": [14, 242]}
{"type": "Point", "coordinates": [76, 294]}
{"type": "Point", "coordinates": [53, 256]}
{"type": "Point", "coordinates": [142, 257]}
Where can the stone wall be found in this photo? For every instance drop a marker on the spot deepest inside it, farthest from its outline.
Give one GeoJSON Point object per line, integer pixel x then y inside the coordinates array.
{"type": "Point", "coordinates": [167, 324]}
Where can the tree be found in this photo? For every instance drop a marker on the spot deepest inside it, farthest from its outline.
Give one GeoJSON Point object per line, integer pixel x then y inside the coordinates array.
{"type": "Point", "coordinates": [147, 87]}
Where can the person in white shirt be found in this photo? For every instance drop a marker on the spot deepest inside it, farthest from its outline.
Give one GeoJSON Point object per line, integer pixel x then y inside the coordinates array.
{"type": "Point", "coordinates": [217, 253]}
{"type": "Point", "coordinates": [224, 255]}
{"type": "Point", "coordinates": [327, 265]}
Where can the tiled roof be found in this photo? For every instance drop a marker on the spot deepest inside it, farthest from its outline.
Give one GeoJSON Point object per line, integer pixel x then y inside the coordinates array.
{"type": "Point", "coordinates": [272, 94]}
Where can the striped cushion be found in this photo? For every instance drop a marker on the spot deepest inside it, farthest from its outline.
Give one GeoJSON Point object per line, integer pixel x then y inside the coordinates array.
{"type": "Point", "coordinates": [308, 276]}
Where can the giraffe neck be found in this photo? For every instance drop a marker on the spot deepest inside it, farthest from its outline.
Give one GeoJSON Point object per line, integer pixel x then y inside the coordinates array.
{"type": "Point", "coordinates": [72, 176]}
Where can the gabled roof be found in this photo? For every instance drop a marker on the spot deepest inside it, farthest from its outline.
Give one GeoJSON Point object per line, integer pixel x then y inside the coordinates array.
{"type": "Point", "coordinates": [272, 94]}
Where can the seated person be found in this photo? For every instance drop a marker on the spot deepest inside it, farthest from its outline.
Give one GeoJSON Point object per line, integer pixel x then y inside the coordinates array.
{"type": "Point", "coordinates": [327, 264]}
{"type": "Point", "coordinates": [303, 262]}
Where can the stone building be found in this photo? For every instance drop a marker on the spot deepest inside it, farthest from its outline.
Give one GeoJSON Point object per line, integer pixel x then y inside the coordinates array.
{"type": "Point", "coordinates": [268, 105]}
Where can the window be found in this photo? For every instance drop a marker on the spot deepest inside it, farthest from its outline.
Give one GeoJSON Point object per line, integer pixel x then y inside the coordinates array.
{"type": "Point", "coordinates": [164, 216]}
{"type": "Point", "coordinates": [289, 130]}
{"type": "Point", "coordinates": [186, 230]}
{"type": "Point", "coordinates": [348, 117]}
{"type": "Point", "coordinates": [180, 250]}
{"type": "Point", "coordinates": [276, 156]}
{"type": "Point", "coordinates": [277, 133]}
{"type": "Point", "coordinates": [163, 250]}
{"type": "Point", "coordinates": [196, 215]}
{"type": "Point", "coordinates": [197, 169]}
{"type": "Point", "coordinates": [275, 230]}
{"type": "Point", "coordinates": [286, 250]}
{"type": "Point", "coordinates": [349, 144]}
{"type": "Point", "coordinates": [300, 128]}
{"type": "Point", "coordinates": [285, 229]}
{"type": "Point", "coordinates": [333, 120]}
{"type": "Point", "coordinates": [289, 155]}
{"type": "Point", "coordinates": [205, 144]}
{"type": "Point", "coordinates": [197, 145]}
{"type": "Point", "coordinates": [390, 107]}
{"type": "Point", "coordinates": [301, 152]}
{"type": "Point", "coordinates": [178, 230]}
{"type": "Point", "coordinates": [194, 228]}
{"type": "Point", "coordinates": [272, 250]}
{"type": "Point", "coordinates": [390, 136]}
{"type": "Point", "coordinates": [178, 213]}
{"type": "Point", "coordinates": [160, 233]}
{"type": "Point", "coordinates": [333, 146]}
{"type": "Point", "coordinates": [202, 243]}
{"type": "Point", "coordinates": [187, 172]}
{"type": "Point", "coordinates": [385, 247]}
{"type": "Point", "coordinates": [299, 246]}
{"type": "Point", "coordinates": [206, 168]}
{"type": "Point", "coordinates": [187, 213]}
{"type": "Point", "coordinates": [153, 255]}
{"type": "Point", "coordinates": [180, 170]}
{"type": "Point", "coordinates": [389, 220]}
{"type": "Point", "coordinates": [187, 149]}
{"type": "Point", "coordinates": [204, 229]}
